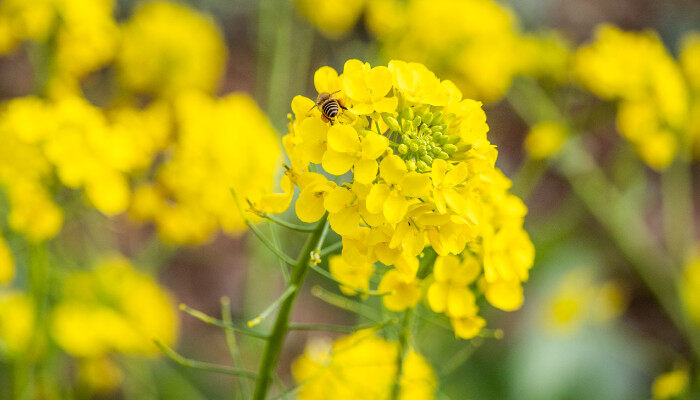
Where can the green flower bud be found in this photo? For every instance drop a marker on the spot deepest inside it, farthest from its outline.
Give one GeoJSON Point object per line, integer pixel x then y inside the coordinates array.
{"type": "Point", "coordinates": [421, 165]}
{"type": "Point", "coordinates": [406, 126]}
{"type": "Point", "coordinates": [428, 118]}
{"type": "Point", "coordinates": [391, 121]}
{"type": "Point", "coordinates": [414, 147]}
{"type": "Point", "coordinates": [403, 149]}
{"type": "Point", "coordinates": [437, 118]}
{"type": "Point", "coordinates": [416, 121]}
{"type": "Point", "coordinates": [453, 139]}
{"type": "Point", "coordinates": [411, 164]}
{"type": "Point", "coordinates": [443, 155]}
{"type": "Point", "coordinates": [427, 159]}
{"type": "Point", "coordinates": [449, 148]}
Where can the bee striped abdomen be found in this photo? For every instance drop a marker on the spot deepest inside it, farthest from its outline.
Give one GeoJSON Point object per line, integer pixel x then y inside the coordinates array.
{"type": "Point", "coordinates": [330, 108]}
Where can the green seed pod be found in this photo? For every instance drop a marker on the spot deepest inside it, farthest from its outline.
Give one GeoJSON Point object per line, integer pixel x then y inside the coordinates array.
{"type": "Point", "coordinates": [403, 149]}
{"type": "Point", "coordinates": [428, 117]}
{"type": "Point", "coordinates": [391, 121]}
{"type": "Point", "coordinates": [422, 165]}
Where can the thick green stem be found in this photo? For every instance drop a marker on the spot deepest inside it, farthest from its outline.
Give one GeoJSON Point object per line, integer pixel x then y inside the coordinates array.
{"type": "Point", "coordinates": [404, 334]}
{"type": "Point", "coordinates": [273, 347]}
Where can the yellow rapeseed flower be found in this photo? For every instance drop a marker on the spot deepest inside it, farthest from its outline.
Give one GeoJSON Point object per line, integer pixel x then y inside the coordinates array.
{"type": "Point", "coordinates": [7, 263]}
{"type": "Point", "coordinates": [545, 139]}
{"type": "Point", "coordinates": [671, 384]}
{"type": "Point", "coordinates": [333, 18]}
{"type": "Point", "coordinates": [168, 48]}
{"type": "Point", "coordinates": [113, 308]}
{"type": "Point", "coordinates": [361, 366]}
{"type": "Point", "coordinates": [17, 323]}
{"type": "Point", "coordinates": [408, 165]}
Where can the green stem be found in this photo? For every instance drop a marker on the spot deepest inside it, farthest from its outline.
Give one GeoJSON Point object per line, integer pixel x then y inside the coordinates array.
{"type": "Point", "coordinates": [217, 322]}
{"type": "Point", "coordinates": [404, 334]}
{"type": "Point", "coordinates": [677, 209]}
{"type": "Point", "coordinates": [341, 328]}
{"type": "Point", "coordinates": [232, 345]}
{"type": "Point", "coordinates": [528, 177]}
{"type": "Point", "coordinates": [288, 225]}
{"type": "Point", "coordinates": [204, 366]}
{"type": "Point", "coordinates": [273, 347]}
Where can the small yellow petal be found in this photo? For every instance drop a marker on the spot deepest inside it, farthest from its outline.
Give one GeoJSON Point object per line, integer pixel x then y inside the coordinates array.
{"type": "Point", "coordinates": [337, 163]}
{"type": "Point", "coordinates": [343, 138]}
{"type": "Point", "coordinates": [392, 169]}
{"type": "Point", "coordinates": [395, 207]}
{"type": "Point", "coordinates": [376, 197]}
{"type": "Point", "coordinates": [365, 171]}
{"type": "Point", "coordinates": [415, 184]}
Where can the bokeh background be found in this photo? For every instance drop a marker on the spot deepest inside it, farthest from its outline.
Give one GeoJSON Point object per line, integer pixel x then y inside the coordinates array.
{"type": "Point", "coordinates": [589, 329]}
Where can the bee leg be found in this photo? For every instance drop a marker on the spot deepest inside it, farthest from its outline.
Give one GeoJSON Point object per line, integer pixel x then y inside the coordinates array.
{"type": "Point", "coordinates": [341, 103]}
{"type": "Point", "coordinates": [325, 119]}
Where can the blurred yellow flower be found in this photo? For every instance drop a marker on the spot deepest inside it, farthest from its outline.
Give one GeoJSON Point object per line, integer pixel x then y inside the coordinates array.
{"type": "Point", "coordinates": [545, 139]}
{"type": "Point", "coordinates": [671, 384]}
{"type": "Point", "coordinates": [168, 48]}
{"type": "Point", "coordinates": [360, 366]}
{"type": "Point", "coordinates": [403, 290]}
{"type": "Point", "coordinates": [636, 69]}
{"type": "Point", "coordinates": [333, 18]}
{"type": "Point", "coordinates": [99, 374]}
{"type": "Point", "coordinates": [690, 288]}
{"type": "Point", "coordinates": [113, 308]}
{"type": "Point", "coordinates": [7, 263]}
{"type": "Point", "coordinates": [220, 144]}
{"type": "Point", "coordinates": [17, 323]}
{"type": "Point", "coordinates": [353, 273]}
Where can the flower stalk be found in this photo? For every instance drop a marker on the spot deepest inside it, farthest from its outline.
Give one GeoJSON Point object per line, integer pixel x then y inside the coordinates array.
{"type": "Point", "coordinates": [273, 347]}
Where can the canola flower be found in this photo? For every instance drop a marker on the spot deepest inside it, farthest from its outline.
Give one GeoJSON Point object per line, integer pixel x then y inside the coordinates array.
{"type": "Point", "coordinates": [7, 263]}
{"type": "Point", "coordinates": [471, 42]}
{"type": "Point", "coordinates": [636, 70]}
{"type": "Point", "coordinates": [360, 366]}
{"type": "Point", "coordinates": [168, 48]}
{"type": "Point", "coordinates": [83, 34]}
{"type": "Point", "coordinates": [112, 308]}
{"type": "Point", "coordinates": [545, 139]}
{"type": "Point", "coordinates": [423, 176]}
{"type": "Point", "coordinates": [580, 299]}
{"type": "Point", "coordinates": [333, 18]}
{"type": "Point", "coordinates": [219, 143]}
{"type": "Point", "coordinates": [79, 144]}
{"type": "Point", "coordinates": [671, 384]}
{"type": "Point", "coordinates": [17, 323]}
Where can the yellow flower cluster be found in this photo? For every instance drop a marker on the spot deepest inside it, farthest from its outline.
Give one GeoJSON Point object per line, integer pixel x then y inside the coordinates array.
{"type": "Point", "coordinates": [423, 176]}
{"type": "Point", "coordinates": [361, 366]}
{"type": "Point", "coordinates": [689, 58]}
{"type": "Point", "coordinates": [220, 144]}
{"type": "Point", "coordinates": [635, 69]}
{"type": "Point", "coordinates": [84, 33]}
{"type": "Point", "coordinates": [82, 146]}
{"type": "Point", "coordinates": [168, 48]}
{"type": "Point", "coordinates": [472, 42]}
{"type": "Point", "coordinates": [17, 323]}
{"type": "Point", "coordinates": [198, 146]}
{"type": "Point", "coordinates": [113, 308]}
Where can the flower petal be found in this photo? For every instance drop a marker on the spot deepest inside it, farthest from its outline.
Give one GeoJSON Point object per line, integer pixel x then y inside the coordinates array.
{"type": "Point", "coordinates": [392, 169]}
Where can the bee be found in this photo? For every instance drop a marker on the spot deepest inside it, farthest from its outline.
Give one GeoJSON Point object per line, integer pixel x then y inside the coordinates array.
{"type": "Point", "coordinates": [329, 106]}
